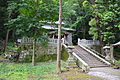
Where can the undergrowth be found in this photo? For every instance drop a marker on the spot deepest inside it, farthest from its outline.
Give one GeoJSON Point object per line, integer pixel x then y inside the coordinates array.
{"type": "Point", "coordinates": [42, 71]}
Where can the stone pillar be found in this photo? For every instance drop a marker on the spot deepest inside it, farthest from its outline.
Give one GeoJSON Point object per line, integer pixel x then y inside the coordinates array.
{"type": "Point", "coordinates": [111, 51]}
{"type": "Point", "coordinates": [69, 38]}
{"type": "Point", "coordinates": [63, 41]}
{"type": "Point", "coordinates": [53, 37]}
{"type": "Point", "coordinates": [71, 62]}
{"type": "Point", "coordinates": [78, 41]}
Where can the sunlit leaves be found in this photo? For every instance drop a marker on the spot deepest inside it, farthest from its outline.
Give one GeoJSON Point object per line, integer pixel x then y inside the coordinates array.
{"type": "Point", "coordinates": [108, 36]}
{"type": "Point", "coordinates": [108, 16]}
{"type": "Point", "coordinates": [99, 1]}
{"type": "Point", "coordinates": [92, 22]}
{"type": "Point", "coordinates": [85, 3]}
{"type": "Point", "coordinates": [107, 13]}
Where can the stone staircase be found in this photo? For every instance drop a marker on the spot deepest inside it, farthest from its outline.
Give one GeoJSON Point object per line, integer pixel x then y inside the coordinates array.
{"type": "Point", "coordinates": [91, 60]}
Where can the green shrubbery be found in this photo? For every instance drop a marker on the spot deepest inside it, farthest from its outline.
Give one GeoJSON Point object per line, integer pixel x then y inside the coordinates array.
{"type": "Point", "coordinates": [117, 53]}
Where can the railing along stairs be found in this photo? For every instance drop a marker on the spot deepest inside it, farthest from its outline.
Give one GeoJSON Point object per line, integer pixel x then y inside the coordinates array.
{"type": "Point", "coordinates": [88, 58]}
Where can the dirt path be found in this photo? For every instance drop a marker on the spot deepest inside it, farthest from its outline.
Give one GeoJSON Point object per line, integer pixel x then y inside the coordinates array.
{"type": "Point", "coordinates": [107, 73]}
{"type": "Point", "coordinates": [76, 74]}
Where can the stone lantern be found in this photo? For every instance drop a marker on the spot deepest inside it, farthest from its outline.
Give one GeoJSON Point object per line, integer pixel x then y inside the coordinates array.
{"type": "Point", "coordinates": [108, 50]}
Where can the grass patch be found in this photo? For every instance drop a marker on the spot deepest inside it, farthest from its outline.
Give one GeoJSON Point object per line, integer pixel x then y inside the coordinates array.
{"type": "Point", "coordinates": [75, 74]}
{"type": "Point", "coordinates": [2, 58]}
{"type": "Point", "coordinates": [42, 71]}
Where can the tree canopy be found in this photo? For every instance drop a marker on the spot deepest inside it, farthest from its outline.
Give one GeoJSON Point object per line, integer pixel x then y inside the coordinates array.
{"type": "Point", "coordinates": [23, 15]}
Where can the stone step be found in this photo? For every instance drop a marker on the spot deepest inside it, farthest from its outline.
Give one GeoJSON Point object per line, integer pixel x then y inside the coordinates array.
{"type": "Point", "coordinates": [88, 58]}
{"type": "Point", "coordinates": [94, 66]}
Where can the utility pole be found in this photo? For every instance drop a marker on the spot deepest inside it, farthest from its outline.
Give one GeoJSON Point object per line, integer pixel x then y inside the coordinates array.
{"type": "Point", "coordinates": [59, 38]}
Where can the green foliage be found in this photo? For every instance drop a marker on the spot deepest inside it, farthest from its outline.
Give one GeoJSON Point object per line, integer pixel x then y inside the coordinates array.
{"type": "Point", "coordinates": [76, 14]}
{"type": "Point", "coordinates": [99, 1]}
{"type": "Point", "coordinates": [118, 62]}
{"type": "Point", "coordinates": [68, 9]}
{"type": "Point", "coordinates": [108, 36]}
{"type": "Point", "coordinates": [12, 71]}
{"type": "Point", "coordinates": [64, 55]}
{"type": "Point", "coordinates": [31, 12]}
{"type": "Point", "coordinates": [117, 53]}
{"type": "Point", "coordinates": [23, 17]}
{"type": "Point", "coordinates": [92, 22]}
{"type": "Point", "coordinates": [86, 4]}
{"type": "Point", "coordinates": [11, 48]}
{"type": "Point", "coordinates": [3, 18]}
{"type": "Point", "coordinates": [105, 20]}
{"type": "Point", "coordinates": [93, 31]}
{"type": "Point", "coordinates": [108, 16]}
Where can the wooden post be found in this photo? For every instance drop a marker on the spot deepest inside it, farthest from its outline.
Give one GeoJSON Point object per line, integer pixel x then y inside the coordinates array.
{"type": "Point", "coordinates": [59, 38]}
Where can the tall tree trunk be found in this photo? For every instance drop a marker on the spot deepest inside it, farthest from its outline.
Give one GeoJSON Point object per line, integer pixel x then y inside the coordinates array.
{"type": "Point", "coordinates": [33, 55]}
{"type": "Point", "coordinates": [6, 40]}
{"type": "Point", "coordinates": [59, 38]}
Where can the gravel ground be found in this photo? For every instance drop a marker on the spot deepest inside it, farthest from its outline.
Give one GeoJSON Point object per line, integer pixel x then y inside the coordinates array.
{"type": "Point", "coordinates": [107, 73]}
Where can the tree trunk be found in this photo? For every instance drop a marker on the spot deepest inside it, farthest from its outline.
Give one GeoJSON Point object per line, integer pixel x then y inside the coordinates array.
{"type": "Point", "coordinates": [7, 35]}
{"type": "Point", "coordinates": [13, 34]}
{"type": "Point", "coordinates": [33, 55]}
{"type": "Point", "coordinates": [59, 38]}
{"type": "Point", "coordinates": [6, 41]}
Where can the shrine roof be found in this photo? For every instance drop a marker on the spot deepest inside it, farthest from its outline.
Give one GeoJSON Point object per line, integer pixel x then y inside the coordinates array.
{"type": "Point", "coordinates": [52, 27]}
{"type": "Point", "coordinates": [116, 44]}
{"type": "Point", "coordinates": [106, 47]}
{"type": "Point", "coordinates": [49, 22]}
{"type": "Point", "coordinates": [49, 27]}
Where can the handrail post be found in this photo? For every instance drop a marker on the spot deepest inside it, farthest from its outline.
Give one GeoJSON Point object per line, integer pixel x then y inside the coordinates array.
{"type": "Point", "coordinates": [78, 41]}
